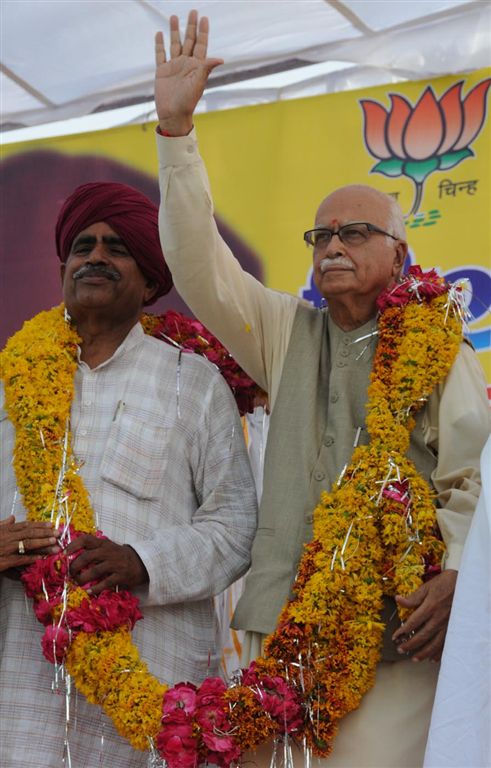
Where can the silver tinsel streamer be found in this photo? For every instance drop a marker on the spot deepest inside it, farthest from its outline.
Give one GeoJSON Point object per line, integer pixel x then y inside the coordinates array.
{"type": "Point", "coordinates": [370, 336]}
{"type": "Point", "coordinates": [178, 385]}
{"type": "Point", "coordinates": [282, 755]}
{"type": "Point", "coordinates": [154, 759]}
{"type": "Point", "coordinates": [456, 302]}
{"type": "Point", "coordinates": [61, 513]}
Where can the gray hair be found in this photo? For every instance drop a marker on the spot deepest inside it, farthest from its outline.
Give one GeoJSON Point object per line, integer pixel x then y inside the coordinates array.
{"type": "Point", "coordinates": [395, 224]}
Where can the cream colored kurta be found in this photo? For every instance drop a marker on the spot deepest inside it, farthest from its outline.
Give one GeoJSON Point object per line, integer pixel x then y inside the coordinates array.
{"type": "Point", "coordinates": [256, 323]}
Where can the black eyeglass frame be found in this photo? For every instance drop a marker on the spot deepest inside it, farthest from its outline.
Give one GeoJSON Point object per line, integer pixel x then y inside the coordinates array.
{"type": "Point", "coordinates": [339, 232]}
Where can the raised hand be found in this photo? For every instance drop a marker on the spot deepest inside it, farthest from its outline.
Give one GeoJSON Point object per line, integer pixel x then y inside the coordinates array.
{"type": "Point", "coordinates": [110, 565]}
{"type": "Point", "coordinates": [181, 80]}
{"type": "Point", "coordinates": [423, 634]}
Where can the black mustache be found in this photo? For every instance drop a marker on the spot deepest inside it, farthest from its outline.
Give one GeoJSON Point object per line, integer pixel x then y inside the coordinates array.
{"type": "Point", "coordinates": [96, 270]}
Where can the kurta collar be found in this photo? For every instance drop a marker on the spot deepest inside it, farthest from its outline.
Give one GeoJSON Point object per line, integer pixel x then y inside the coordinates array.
{"type": "Point", "coordinates": [133, 339]}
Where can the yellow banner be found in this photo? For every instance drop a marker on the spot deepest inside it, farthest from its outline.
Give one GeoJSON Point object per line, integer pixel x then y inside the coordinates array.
{"type": "Point", "coordinates": [427, 143]}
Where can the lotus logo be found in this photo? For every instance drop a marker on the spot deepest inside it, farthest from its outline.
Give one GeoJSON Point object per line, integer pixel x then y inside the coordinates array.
{"type": "Point", "coordinates": [434, 135]}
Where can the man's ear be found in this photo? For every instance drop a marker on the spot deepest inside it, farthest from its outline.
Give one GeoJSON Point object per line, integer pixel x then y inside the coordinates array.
{"type": "Point", "coordinates": [400, 257]}
{"type": "Point", "coordinates": [150, 290]}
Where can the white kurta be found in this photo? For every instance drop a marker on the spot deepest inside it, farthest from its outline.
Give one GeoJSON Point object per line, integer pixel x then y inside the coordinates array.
{"type": "Point", "coordinates": [460, 731]}
{"type": "Point", "coordinates": [164, 460]}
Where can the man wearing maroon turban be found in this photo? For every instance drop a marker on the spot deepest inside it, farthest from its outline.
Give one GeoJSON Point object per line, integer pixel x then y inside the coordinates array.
{"type": "Point", "coordinates": [129, 213]}
{"type": "Point", "coordinates": [158, 444]}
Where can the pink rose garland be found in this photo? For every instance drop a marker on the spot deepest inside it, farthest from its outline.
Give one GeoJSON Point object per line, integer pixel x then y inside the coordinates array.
{"type": "Point", "coordinates": [46, 582]}
{"type": "Point", "coordinates": [424, 285]}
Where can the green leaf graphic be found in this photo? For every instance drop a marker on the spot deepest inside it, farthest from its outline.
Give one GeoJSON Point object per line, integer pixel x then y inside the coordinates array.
{"type": "Point", "coordinates": [391, 167]}
{"type": "Point", "coordinates": [451, 159]}
{"type": "Point", "coordinates": [418, 170]}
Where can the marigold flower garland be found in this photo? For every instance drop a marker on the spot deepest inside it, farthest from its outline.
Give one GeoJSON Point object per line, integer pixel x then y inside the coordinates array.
{"type": "Point", "coordinates": [374, 534]}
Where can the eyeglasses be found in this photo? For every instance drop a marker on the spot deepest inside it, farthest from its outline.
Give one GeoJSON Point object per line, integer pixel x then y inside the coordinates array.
{"type": "Point", "coordinates": [355, 233]}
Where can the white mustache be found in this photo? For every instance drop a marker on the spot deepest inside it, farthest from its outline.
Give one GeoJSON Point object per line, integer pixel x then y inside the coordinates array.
{"type": "Point", "coordinates": [338, 261]}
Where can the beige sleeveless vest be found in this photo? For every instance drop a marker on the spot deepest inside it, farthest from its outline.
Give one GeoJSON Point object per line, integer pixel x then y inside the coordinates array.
{"type": "Point", "coordinates": [318, 417]}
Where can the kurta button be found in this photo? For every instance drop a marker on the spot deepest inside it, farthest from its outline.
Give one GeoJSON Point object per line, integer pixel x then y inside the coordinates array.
{"type": "Point", "coordinates": [189, 148]}
{"type": "Point", "coordinates": [329, 440]}
{"type": "Point", "coordinates": [346, 340]}
{"type": "Point", "coordinates": [319, 474]}
{"type": "Point", "coordinates": [309, 517]}
{"type": "Point", "coordinates": [345, 352]}
{"type": "Point", "coordinates": [82, 432]}
{"type": "Point", "coordinates": [341, 364]}
{"type": "Point", "coordinates": [334, 397]}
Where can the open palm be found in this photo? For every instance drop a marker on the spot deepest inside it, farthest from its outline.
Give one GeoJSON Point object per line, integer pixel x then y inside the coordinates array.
{"type": "Point", "coordinates": [181, 80]}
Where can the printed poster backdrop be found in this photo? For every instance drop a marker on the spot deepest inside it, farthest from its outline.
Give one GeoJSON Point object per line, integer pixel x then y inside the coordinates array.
{"type": "Point", "coordinates": [427, 143]}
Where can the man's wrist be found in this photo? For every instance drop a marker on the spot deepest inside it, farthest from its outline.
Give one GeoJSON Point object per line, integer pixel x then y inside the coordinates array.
{"type": "Point", "coordinates": [140, 572]}
{"type": "Point", "coordinates": [175, 128]}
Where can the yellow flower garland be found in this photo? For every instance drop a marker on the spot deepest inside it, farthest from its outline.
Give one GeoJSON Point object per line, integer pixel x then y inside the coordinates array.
{"type": "Point", "coordinates": [38, 366]}
{"type": "Point", "coordinates": [363, 546]}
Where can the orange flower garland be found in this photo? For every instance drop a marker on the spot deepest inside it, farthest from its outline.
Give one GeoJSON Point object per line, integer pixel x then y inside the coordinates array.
{"type": "Point", "coordinates": [376, 533]}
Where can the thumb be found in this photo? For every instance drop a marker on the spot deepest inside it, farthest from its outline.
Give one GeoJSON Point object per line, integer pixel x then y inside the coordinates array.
{"type": "Point", "coordinates": [210, 64]}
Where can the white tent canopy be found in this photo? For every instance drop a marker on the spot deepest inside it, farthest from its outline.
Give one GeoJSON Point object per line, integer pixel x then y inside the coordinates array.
{"type": "Point", "coordinates": [69, 58]}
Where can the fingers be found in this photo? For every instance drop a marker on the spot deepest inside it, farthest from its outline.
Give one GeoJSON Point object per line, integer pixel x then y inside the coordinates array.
{"type": "Point", "coordinates": [414, 599]}
{"type": "Point", "coordinates": [41, 529]}
{"type": "Point", "coordinates": [424, 645]}
{"type": "Point", "coordinates": [160, 57]}
{"type": "Point", "coordinates": [201, 45]}
{"type": "Point", "coordinates": [27, 527]}
{"type": "Point", "coordinates": [42, 546]}
{"type": "Point", "coordinates": [99, 561]}
{"type": "Point", "coordinates": [86, 541]}
{"type": "Point", "coordinates": [190, 35]}
{"type": "Point", "coordinates": [195, 39]}
{"type": "Point", "coordinates": [415, 602]}
{"type": "Point", "coordinates": [414, 623]}
{"type": "Point", "coordinates": [411, 640]}
{"type": "Point", "coordinates": [17, 561]}
{"type": "Point", "coordinates": [109, 582]}
{"type": "Point", "coordinates": [109, 565]}
{"type": "Point", "coordinates": [423, 634]}
{"type": "Point", "coordinates": [89, 571]}
{"type": "Point", "coordinates": [431, 649]}
{"type": "Point", "coordinates": [19, 538]}
{"type": "Point", "coordinates": [175, 38]}
{"type": "Point", "coordinates": [92, 550]}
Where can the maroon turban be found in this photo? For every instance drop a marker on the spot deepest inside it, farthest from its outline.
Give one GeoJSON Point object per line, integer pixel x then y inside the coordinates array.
{"type": "Point", "coordinates": [129, 213]}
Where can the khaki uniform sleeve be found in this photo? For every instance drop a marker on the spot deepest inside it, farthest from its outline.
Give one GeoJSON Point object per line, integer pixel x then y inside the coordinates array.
{"type": "Point", "coordinates": [252, 321]}
{"type": "Point", "coordinates": [457, 428]}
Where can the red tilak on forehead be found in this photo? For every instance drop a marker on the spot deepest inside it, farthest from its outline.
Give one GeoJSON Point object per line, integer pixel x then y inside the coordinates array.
{"type": "Point", "coordinates": [334, 222]}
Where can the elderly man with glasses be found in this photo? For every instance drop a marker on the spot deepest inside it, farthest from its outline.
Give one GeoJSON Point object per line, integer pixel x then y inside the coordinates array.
{"type": "Point", "coordinates": [315, 366]}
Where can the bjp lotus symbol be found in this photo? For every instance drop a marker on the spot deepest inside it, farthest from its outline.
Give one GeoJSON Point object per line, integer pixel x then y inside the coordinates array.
{"type": "Point", "coordinates": [434, 135]}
